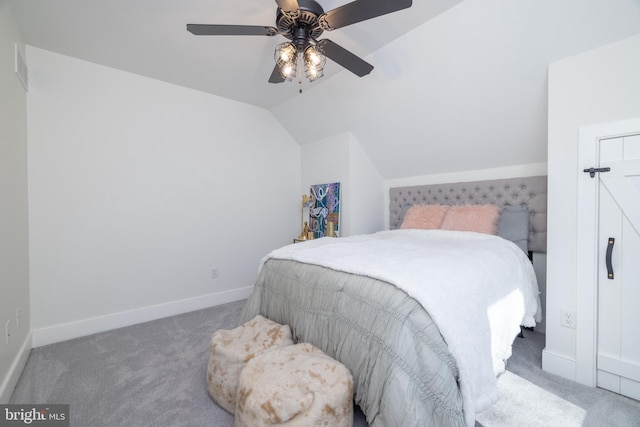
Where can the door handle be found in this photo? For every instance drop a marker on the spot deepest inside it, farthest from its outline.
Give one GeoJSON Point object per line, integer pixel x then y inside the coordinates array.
{"type": "Point", "coordinates": [608, 259]}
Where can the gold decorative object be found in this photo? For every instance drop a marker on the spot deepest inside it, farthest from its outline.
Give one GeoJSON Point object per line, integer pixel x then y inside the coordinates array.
{"type": "Point", "coordinates": [331, 229]}
{"type": "Point", "coordinates": [305, 233]}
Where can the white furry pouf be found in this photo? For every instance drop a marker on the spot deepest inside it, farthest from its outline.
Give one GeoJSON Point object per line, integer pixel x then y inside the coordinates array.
{"type": "Point", "coordinates": [296, 386]}
{"type": "Point", "coordinates": [232, 349]}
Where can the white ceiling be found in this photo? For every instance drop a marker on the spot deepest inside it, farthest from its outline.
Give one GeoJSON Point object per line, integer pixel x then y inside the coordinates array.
{"type": "Point", "coordinates": [149, 37]}
{"type": "Point", "coordinates": [457, 85]}
{"type": "Point", "coordinates": [465, 91]}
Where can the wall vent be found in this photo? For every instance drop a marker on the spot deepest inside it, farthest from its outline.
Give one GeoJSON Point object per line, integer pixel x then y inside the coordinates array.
{"type": "Point", "coordinates": [21, 69]}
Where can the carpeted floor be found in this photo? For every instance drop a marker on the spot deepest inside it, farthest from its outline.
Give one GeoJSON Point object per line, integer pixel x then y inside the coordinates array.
{"type": "Point", "coordinates": [153, 374]}
{"type": "Point", "coordinates": [535, 398]}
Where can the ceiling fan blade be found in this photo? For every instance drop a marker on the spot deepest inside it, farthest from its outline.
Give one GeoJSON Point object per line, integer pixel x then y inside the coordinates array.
{"type": "Point", "coordinates": [342, 56]}
{"type": "Point", "coordinates": [276, 77]}
{"type": "Point", "coordinates": [230, 30]}
{"type": "Point", "coordinates": [288, 5]}
{"type": "Point", "coordinates": [361, 10]}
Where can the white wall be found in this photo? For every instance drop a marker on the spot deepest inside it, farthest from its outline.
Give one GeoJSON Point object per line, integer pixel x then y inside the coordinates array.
{"type": "Point", "coordinates": [366, 197]}
{"type": "Point", "coordinates": [342, 159]}
{"type": "Point", "coordinates": [137, 188]}
{"type": "Point", "coordinates": [595, 87]}
{"type": "Point", "coordinates": [14, 251]}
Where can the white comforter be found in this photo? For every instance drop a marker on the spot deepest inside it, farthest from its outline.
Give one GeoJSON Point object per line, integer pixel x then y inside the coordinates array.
{"type": "Point", "coordinates": [478, 288]}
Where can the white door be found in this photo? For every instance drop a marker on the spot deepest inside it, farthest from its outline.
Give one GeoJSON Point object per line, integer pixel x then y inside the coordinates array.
{"type": "Point", "coordinates": [618, 354]}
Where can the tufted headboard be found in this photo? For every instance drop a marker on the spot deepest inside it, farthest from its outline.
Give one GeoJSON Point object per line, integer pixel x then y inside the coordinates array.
{"type": "Point", "coordinates": [528, 191]}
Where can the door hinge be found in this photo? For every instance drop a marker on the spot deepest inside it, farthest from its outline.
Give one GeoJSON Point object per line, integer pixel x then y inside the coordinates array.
{"type": "Point", "coordinates": [592, 171]}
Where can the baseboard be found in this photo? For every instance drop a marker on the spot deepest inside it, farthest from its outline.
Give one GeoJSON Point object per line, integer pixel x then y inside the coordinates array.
{"type": "Point", "coordinates": [67, 331]}
{"type": "Point", "coordinates": [10, 381]}
{"type": "Point", "coordinates": [558, 365]}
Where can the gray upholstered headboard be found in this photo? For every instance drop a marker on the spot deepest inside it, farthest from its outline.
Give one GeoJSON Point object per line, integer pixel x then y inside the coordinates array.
{"type": "Point", "coordinates": [528, 191]}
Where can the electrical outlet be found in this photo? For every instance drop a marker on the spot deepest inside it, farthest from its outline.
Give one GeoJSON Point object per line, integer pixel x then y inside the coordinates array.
{"type": "Point", "coordinates": [7, 332]}
{"type": "Point", "coordinates": [568, 318]}
{"type": "Point", "coordinates": [214, 272]}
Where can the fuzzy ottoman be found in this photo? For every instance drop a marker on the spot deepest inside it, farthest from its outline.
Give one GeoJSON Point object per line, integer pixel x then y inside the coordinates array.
{"type": "Point", "coordinates": [296, 386]}
{"type": "Point", "coordinates": [232, 349]}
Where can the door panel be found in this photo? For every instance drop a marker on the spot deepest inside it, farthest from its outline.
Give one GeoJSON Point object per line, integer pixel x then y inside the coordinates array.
{"type": "Point", "coordinates": [632, 147]}
{"type": "Point", "coordinates": [622, 185]}
{"type": "Point", "coordinates": [609, 291]}
{"type": "Point", "coordinates": [618, 359]}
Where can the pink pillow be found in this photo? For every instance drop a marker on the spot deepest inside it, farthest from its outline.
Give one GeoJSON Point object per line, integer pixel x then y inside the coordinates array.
{"type": "Point", "coordinates": [478, 218]}
{"type": "Point", "coordinates": [424, 217]}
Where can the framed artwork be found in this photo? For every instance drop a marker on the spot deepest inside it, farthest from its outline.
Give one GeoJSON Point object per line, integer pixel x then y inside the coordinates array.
{"type": "Point", "coordinates": [325, 208]}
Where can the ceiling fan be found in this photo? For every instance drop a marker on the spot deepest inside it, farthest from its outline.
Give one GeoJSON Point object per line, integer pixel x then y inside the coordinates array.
{"type": "Point", "coordinates": [302, 22]}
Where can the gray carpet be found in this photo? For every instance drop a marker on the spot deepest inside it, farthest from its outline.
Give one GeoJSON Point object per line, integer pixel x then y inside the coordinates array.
{"type": "Point", "coordinates": [535, 398]}
{"type": "Point", "coordinates": [153, 374]}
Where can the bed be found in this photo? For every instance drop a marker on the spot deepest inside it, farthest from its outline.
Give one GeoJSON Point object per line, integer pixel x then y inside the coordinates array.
{"type": "Point", "coordinates": [423, 318]}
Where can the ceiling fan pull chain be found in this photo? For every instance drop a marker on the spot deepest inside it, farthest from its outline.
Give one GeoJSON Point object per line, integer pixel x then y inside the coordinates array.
{"type": "Point", "coordinates": [300, 81]}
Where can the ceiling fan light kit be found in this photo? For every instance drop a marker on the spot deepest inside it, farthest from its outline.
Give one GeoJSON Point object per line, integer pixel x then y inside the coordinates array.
{"type": "Point", "coordinates": [302, 22]}
{"type": "Point", "coordinates": [314, 60]}
{"type": "Point", "coordinates": [286, 56]}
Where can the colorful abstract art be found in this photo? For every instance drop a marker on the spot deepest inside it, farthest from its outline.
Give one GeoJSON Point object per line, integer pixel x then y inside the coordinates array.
{"type": "Point", "coordinates": [325, 208]}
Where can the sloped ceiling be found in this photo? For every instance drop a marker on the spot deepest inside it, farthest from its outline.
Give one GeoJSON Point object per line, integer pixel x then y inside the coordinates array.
{"type": "Point", "coordinates": [149, 37]}
{"type": "Point", "coordinates": [465, 91]}
{"type": "Point", "coordinates": [456, 85]}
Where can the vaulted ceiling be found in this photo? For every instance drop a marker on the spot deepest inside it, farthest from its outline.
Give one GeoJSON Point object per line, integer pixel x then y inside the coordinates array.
{"type": "Point", "coordinates": [149, 37]}
{"type": "Point", "coordinates": [457, 85]}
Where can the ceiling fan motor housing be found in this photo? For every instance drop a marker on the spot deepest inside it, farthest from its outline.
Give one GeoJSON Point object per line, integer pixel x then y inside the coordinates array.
{"type": "Point", "coordinates": [301, 25]}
